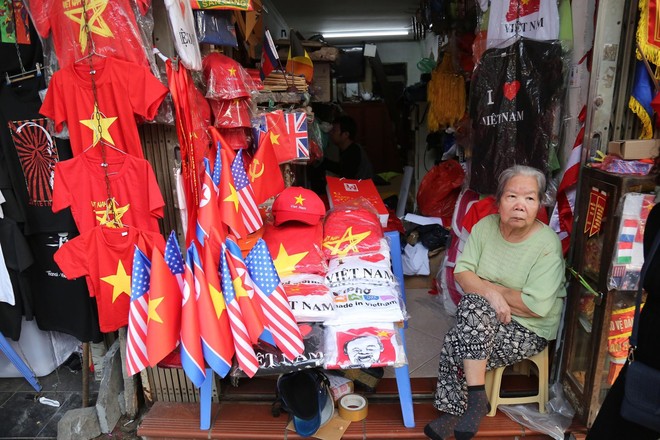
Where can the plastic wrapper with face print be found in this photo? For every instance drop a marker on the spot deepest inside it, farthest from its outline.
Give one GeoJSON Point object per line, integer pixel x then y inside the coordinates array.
{"type": "Point", "coordinates": [365, 345]}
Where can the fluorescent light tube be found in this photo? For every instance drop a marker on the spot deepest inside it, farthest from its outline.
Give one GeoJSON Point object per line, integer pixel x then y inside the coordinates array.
{"type": "Point", "coordinates": [351, 34]}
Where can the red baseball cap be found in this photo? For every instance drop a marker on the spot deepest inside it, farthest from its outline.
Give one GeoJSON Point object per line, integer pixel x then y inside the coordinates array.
{"type": "Point", "coordinates": [225, 78]}
{"type": "Point", "coordinates": [298, 204]}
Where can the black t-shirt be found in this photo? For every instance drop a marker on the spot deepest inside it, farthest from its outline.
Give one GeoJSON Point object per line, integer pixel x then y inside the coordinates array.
{"type": "Point", "coordinates": [60, 304]}
{"type": "Point", "coordinates": [18, 258]}
{"type": "Point", "coordinates": [511, 106]}
{"type": "Point", "coordinates": [29, 154]}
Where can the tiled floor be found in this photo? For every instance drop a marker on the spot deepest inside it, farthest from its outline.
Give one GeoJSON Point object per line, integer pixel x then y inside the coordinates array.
{"type": "Point", "coordinates": [23, 417]}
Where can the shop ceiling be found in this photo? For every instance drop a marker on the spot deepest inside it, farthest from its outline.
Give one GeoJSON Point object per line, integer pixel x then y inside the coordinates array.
{"type": "Point", "coordinates": [313, 18]}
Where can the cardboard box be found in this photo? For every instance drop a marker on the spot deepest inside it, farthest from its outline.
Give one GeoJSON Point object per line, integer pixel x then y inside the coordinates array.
{"type": "Point", "coordinates": [342, 190]}
{"type": "Point", "coordinates": [634, 149]}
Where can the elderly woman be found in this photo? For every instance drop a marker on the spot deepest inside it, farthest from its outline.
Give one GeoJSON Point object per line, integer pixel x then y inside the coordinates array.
{"type": "Point", "coordinates": [512, 271]}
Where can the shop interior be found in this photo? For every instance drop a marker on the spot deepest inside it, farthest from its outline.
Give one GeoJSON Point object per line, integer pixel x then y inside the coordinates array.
{"type": "Point", "coordinates": [415, 78]}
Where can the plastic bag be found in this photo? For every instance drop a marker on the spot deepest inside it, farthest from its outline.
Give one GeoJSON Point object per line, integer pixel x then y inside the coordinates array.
{"type": "Point", "coordinates": [439, 190]}
{"type": "Point", "coordinates": [215, 27]}
{"type": "Point", "coordinates": [364, 346]}
{"type": "Point", "coordinates": [225, 78]}
{"type": "Point", "coordinates": [554, 423]}
{"type": "Point", "coordinates": [352, 229]}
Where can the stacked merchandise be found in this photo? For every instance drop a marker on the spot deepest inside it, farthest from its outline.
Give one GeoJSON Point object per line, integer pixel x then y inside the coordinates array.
{"type": "Point", "coordinates": [283, 82]}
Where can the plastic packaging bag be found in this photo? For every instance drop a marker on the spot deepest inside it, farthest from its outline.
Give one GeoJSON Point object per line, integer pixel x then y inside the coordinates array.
{"type": "Point", "coordinates": [554, 423]}
{"type": "Point", "coordinates": [352, 229]}
{"type": "Point", "coordinates": [439, 189]}
{"type": "Point", "coordinates": [364, 346]}
{"type": "Point", "coordinates": [215, 27]}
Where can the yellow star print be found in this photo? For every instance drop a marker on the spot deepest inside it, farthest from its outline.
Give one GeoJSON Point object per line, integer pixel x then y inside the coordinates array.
{"type": "Point", "coordinates": [95, 22]}
{"type": "Point", "coordinates": [274, 139]}
{"type": "Point", "coordinates": [118, 211]}
{"type": "Point", "coordinates": [120, 281]}
{"type": "Point", "coordinates": [218, 301]}
{"type": "Point", "coordinates": [105, 123]}
{"type": "Point", "coordinates": [232, 71]}
{"type": "Point", "coordinates": [239, 288]}
{"type": "Point", "coordinates": [152, 314]}
{"type": "Point", "coordinates": [285, 264]}
{"type": "Point", "coordinates": [299, 200]}
{"type": "Point", "coordinates": [233, 197]}
{"type": "Point", "coordinates": [349, 239]}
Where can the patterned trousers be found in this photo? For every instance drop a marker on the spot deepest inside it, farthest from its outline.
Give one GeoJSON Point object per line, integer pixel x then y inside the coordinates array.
{"type": "Point", "coordinates": [478, 334]}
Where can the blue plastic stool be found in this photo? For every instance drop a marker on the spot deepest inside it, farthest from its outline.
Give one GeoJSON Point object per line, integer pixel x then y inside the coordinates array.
{"type": "Point", "coordinates": [20, 365]}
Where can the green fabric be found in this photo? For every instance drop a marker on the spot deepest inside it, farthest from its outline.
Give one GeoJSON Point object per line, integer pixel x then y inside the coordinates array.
{"type": "Point", "coordinates": [535, 267]}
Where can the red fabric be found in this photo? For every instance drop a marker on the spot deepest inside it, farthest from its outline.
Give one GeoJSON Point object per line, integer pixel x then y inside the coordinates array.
{"type": "Point", "coordinates": [298, 204]}
{"type": "Point", "coordinates": [288, 134]}
{"type": "Point", "coordinates": [113, 27]}
{"type": "Point", "coordinates": [80, 184]}
{"type": "Point", "coordinates": [351, 232]}
{"type": "Point", "coordinates": [123, 90]}
{"type": "Point", "coordinates": [105, 257]}
{"type": "Point", "coordinates": [230, 208]}
{"type": "Point", "coordinates": [296, 248]}
{"type": "Point", "coordinates": [264, 172]}
{"type": "Point", "coordinates": [165, 297]}
{"type": "Point", "coordinates": [231, 113]}
{"type": "Point", "coordinates": [208, 212]}
{"type": "Point", "coordinates": [192, 357]}
{"type": "Point", "coordinates": [225, 78]}
{"type": "Point", "coordinates": [386, 355]}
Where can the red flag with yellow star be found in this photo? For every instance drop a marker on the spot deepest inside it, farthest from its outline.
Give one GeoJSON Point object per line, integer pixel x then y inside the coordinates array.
{"type": "Point", "coordinates": [164, 317]}
{"type": "Point", "coordinates": [230, 207]}
{"type": "Point", "coordinates": [264, 172]}
{"type": "Point", "coordinates": [296, 249]}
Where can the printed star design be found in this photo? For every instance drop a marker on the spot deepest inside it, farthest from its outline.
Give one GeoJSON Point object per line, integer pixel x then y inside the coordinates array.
{"type": "Point", "coordinates": [274, 139]}
{"type": "Point", "coordinates": [232, 71]}
{"type": "Point", "coordinates": [119, 211]}
{"type": "Point", "coordinates": [95, 23]}
{"type": "Point", "coordinates": [285, 264]}
{"type": "Point", "coordinates": [352, 240]}
{"type": "Point", "coordinates": [152, 314]}
{"type": "Point", "coordinates": [120, 282]}
{"type": "Point", "coordinates": [218, 301]}
{"type": "Point", "coordinates": [382, 333]}
{"type": "Point", "coordinates": [239, 287]}
{"type": "Point", "coordinates": [233, 197]}
{"type": "Point", "coordinates": [299, 200]}
{"type": "Point", "coordinates": [93, 124]}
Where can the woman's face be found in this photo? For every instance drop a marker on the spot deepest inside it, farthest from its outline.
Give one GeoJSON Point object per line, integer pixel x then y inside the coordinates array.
{"type": "Point", "coordinates": [520, 202]}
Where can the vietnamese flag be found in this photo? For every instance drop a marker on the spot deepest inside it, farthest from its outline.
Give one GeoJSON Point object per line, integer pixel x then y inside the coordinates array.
{"type": "Point", "coordinates": [230, 207]}
{"type": "Point", "coordinates": [264, 171]}
{"type": "Point", "coordinates": [164, 316]}
{"type": "Point", "coordinates": [250, 310]}
{"type": "Point", "coordinates": [521, 8]}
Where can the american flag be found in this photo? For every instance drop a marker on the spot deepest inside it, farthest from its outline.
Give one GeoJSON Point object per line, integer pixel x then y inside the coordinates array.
{"type": "Point", "coordinates": [245, 355]}
{"type": "Point", "coordinates": [249, 210]}
{"type": "Point", "coordinates": [136, 337]}
{"type": "Point", "coordinates": [271, 295]}
{"type": "Point", "coordinates": [296, 126]}
{"type": "Point", "coordinates": [173, 258]}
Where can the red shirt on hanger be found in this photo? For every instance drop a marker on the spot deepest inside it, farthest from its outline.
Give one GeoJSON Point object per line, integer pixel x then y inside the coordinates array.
{"type": "Point", "coordinates": [112, 24]}
{"type": "Point", "coordinates": [123, 90]}
{"type": "Point", "coordinates": [105, 257]}
{"type": "Point", "coordinates": [80, 183]}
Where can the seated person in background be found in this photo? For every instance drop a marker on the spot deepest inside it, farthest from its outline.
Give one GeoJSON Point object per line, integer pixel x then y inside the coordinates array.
{"type": "Point", "coordinates": [353, 161]}
{"type": "Point", "coordinates": [512, 271]}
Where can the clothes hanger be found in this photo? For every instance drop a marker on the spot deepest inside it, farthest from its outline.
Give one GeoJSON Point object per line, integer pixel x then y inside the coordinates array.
{"type": "Point", "coordinates": [25, 74]}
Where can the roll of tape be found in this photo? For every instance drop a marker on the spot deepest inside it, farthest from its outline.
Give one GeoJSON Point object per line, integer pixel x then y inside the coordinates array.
{"type": "Point", "coordinates": [353, 407]}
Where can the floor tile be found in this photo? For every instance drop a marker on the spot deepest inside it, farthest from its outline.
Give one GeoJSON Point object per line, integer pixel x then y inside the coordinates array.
{"type": "Point", "coordinates": [61, 380]}
{"type": "Point", "coordinates": [427, 369]}
{"type": "Point", "coordinates": [67, 401]}
{"type": "Point", "coordinates": [4, 396]}
{"type": "Point", "coordinates": [11, 384]}
{"type": "Point", "coordinates": [21, 416]}
{"type": "Point", "coordinates": [427, 314]}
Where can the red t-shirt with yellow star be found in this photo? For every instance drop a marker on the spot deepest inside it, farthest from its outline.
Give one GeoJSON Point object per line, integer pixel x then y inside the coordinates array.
{"type": "Point", "coordinates": [105, 257]}
{"type": "Point", "coordinates": [80, 183]}
{"type": "Point", "coordinates": [123, 90]}
{"type": "Point", "coordinates": [114, 29]}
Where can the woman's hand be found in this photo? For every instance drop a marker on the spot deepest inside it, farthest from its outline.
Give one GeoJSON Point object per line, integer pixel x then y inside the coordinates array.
{"type": "Point", "coordinates": [498, 303]}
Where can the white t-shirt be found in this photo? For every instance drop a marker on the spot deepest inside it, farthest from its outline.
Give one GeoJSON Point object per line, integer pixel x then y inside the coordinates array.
{"type": "Point", "coordinates": [535, 19]}
{"type": "Point", "coordinates": [183, 30]}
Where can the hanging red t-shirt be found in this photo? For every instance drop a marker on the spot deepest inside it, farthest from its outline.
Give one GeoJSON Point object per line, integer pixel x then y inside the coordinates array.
{"type": "Point", "coordinates": [79, 183]}
{"type": "Point", "coordinates": [123, 90]}
{"type": "Point", "coordinates": [105, 257]}
{"type": "Point", "coordinates": [112, 24]}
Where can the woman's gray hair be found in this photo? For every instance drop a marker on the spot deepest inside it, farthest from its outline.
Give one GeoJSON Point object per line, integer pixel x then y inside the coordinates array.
{"type": "Point", "coordinates": [520, 170]}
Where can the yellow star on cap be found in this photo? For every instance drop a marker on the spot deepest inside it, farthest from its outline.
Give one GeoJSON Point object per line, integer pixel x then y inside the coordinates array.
{"type": "Point", "coordinates": [351, 240]}
{"type": "Point", "coordinates": [232, 71]}
{"type": "Point", "coordinates": [299, 200]}
{"type": "Point", "coordinates": [285, 264]}
{"type": "Point", "coordinates": [152, 314]}
{"type": "Point", "coordinates": [218, 300]}
{"type": "Point", "coordinates": [105, 124]}
{"type": "Point", "coordinates": [120, 281]}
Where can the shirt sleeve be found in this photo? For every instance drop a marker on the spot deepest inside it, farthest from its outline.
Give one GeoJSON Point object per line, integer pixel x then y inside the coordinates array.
{"type": "Point", "coordinates": [545, 279]}
{"type": "Point", "coordinates": [469, 259]}
{"type": "Point", "coordinates": [156, 202]}
{"type": "Point", "coordinates": [61, 195]}
{"type": "Point", "coordinates": [72, 257]}
{"type": "Point", "coordinates": [53, 106]}
{"type": "Point", "coordinates": [145, 92]}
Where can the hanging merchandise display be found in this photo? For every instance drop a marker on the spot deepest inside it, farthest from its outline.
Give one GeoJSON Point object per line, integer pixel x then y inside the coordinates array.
{"type": "Point", "coordinates": [184, 36]}
{"type": "Point", "coordinates": [235, 5]}
{"type": "Point", "coordinates": [288, 134]}
{"type": "Point", "coordinates": [215, 27]}
{"type": "Point", "coordinates": [512, 98]}
{"type": "Point", "coordinates": [112, 26]}
{"type": "Point", "coordinates": [446, 95]}
{"type": "Point", "coordinates": [510, 19]}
